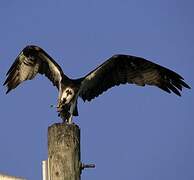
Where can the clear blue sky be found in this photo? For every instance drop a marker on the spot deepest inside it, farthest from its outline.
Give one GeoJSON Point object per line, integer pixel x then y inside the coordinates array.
{"type": "Point", "coordinates": [129, 132]}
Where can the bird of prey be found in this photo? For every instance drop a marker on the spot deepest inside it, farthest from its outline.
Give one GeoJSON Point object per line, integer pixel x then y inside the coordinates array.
{"type": "Point", "coordinates": [118, 69]}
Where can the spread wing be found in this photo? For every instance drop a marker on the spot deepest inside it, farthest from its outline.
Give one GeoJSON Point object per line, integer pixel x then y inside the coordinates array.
{"type": "Point", "coordinates": [121, 69]}
{"type": "Point", "coordinates": [30, 61]}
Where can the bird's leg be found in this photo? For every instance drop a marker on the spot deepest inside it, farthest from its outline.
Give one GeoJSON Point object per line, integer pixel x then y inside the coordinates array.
{"type": "Point", "coordinates": [69, 120]}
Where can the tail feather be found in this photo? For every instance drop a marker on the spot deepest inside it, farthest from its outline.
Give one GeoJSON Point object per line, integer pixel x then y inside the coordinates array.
{"type": "Point", "coordinates": [75, 112]}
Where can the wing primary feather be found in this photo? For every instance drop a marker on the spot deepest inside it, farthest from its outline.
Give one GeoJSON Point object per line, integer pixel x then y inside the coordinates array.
{"type": "Point", "coordinates": [184, 84]}
{"type": "Point", "coordinates": [177, 85]}
{"type": "Point", "coordinates": [171, 87]}
{"type": "Point", "coordinates": [165, 89]}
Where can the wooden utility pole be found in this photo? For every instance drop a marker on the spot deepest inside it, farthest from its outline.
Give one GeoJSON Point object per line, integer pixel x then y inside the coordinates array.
{"type": "Point", "coordinates": [64, 152]}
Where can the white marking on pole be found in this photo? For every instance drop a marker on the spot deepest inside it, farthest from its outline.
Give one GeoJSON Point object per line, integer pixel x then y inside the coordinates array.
{"type": "Point", "coordinates": [45, 170]}
{"type": "Point", "coordinates": [7, 177]}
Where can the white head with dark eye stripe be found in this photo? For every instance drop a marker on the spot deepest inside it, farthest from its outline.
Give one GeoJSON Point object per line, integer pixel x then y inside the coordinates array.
{"type": "Point", "coordinates": [67, 95]}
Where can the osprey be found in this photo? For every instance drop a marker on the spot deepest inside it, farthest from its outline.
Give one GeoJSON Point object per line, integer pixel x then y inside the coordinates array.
{"type": "Point", "coordinates": [118, 69]}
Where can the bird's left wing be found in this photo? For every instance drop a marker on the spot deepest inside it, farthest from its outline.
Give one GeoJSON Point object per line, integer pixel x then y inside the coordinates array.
{"type": "Point", "coordinates": [121, 69]}
{"type": "Point", "coordinates": [30, 61]}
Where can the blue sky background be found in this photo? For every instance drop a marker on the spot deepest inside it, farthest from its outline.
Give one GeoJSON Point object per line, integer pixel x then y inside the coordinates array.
{"type": "Point", "coordinates": [129, 132]}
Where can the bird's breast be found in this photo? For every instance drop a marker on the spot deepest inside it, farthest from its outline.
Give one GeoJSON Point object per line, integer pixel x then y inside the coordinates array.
{"type": "Point", "coordinates": [67, 95]}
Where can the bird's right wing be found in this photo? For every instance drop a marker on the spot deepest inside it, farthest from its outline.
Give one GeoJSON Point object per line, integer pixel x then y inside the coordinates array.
{"type": "Point", "coordinates": [30, 61]}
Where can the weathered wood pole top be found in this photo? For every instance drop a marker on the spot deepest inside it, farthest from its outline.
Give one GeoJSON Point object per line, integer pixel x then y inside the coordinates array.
{"type": "Point", "coordinates": [64, 152]}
